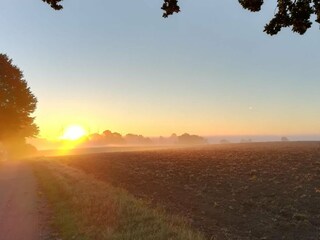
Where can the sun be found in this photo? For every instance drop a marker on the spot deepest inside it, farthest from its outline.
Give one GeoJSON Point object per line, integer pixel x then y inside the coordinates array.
{"type": "Point", "coordinates": [74, 132]}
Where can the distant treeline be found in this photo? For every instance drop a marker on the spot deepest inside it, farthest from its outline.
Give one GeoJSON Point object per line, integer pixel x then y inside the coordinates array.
{"type": "Point", "coordinates": [114, 138]}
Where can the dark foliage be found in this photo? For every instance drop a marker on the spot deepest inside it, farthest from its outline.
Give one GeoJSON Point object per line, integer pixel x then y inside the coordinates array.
{"type": "Point", "coordinates": [289, 13]}
{"type": "Point", "coordinates": [170, 7]}
{"type": "Point", "coordinates": [55, 4]}
{"type": "Point", "coordinates": [252, 5]}
{"type": "Point", "coordinates": [17, 103]}
{"type": "Point", "coordinates": [188, 139]}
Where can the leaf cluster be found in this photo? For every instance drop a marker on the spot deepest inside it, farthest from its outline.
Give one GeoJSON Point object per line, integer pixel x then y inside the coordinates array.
{"type": "Point", "coordinates": [170, 7]}
{"type": "Point", "coordinates": [289, 13]}
{"type": "Point", "coordinates": [55, 4]}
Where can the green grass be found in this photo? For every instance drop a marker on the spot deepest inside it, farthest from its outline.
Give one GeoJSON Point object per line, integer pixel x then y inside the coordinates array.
{"type": "Point", "coordinates": [59, 200]}
{"type": "Point", "coordinates": [85, 208]}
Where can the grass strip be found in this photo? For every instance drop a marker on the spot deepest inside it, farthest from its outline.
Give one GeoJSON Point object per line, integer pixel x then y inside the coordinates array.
{"type": "Point", "coordinates": [85, 208]}
{"type": "Point", "coordinates": [59, 200]}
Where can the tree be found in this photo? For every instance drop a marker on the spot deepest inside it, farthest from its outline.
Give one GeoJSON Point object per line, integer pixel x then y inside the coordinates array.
{"type": "Point", "coordinates": [188, 139]}
{"type": "Point", "coordinates": [288, 13]}
{"type": "Point", "coordinates": [17, 104]}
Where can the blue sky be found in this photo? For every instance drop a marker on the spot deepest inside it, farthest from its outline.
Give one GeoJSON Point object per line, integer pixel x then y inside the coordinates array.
{"type": "Point", "coordinates": [119, 65]}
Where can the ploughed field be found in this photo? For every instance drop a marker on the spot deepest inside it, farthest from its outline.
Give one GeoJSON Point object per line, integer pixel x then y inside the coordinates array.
{"type": "Point", "coordinates": [233, 191]}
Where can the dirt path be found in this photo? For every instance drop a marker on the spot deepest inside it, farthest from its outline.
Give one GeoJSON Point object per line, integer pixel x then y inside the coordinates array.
{"type": "Point", "coordinates": [19, 215]}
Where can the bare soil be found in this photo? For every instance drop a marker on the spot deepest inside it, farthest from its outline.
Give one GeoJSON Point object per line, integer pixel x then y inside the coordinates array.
{"type": "Point", "coordinates": [234, 191]}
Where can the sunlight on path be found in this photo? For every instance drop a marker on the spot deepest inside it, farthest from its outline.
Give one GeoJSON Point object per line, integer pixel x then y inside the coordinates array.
{"type": "Point", "coordinates": [19, 218]}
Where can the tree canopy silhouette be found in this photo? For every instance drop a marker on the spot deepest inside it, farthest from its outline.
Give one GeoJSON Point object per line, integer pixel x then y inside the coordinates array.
{"type": "Point", "coordinates": [289, 13]}
{"type": "Point", "coordinates": [17, 104]}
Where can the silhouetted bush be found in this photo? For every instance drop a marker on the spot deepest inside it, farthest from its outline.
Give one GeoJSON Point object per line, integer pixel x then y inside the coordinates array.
{"type": "Point", "coordinates": [224, 141]}
{"type": "Point", "coordinates": [191, 139]}
{"type": "Point", "coordinates": [137, 139]}
{"type": "Point", "coordinates": [284, 139]}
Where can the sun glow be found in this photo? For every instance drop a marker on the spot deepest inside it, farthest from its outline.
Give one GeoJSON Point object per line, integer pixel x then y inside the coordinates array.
{"type": "Point", "coordinates": [73, 133]}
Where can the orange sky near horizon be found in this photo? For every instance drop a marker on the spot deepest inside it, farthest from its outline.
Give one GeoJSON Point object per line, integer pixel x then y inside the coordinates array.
{"type": "Point", "coordinates": [53, 128]}
{"type": "Point", "coordinates": [207, 71]}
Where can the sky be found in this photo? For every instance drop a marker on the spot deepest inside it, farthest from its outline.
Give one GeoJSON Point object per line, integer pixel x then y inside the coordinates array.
{"type": "Point", "coordinates": [119, 65]}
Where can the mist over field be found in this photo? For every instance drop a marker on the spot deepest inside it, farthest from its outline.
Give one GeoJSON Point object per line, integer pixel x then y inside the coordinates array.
{"type": "Point", "coordinates": [159, 120]}
{"type": "Point", "coordinates": [149, 142]}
